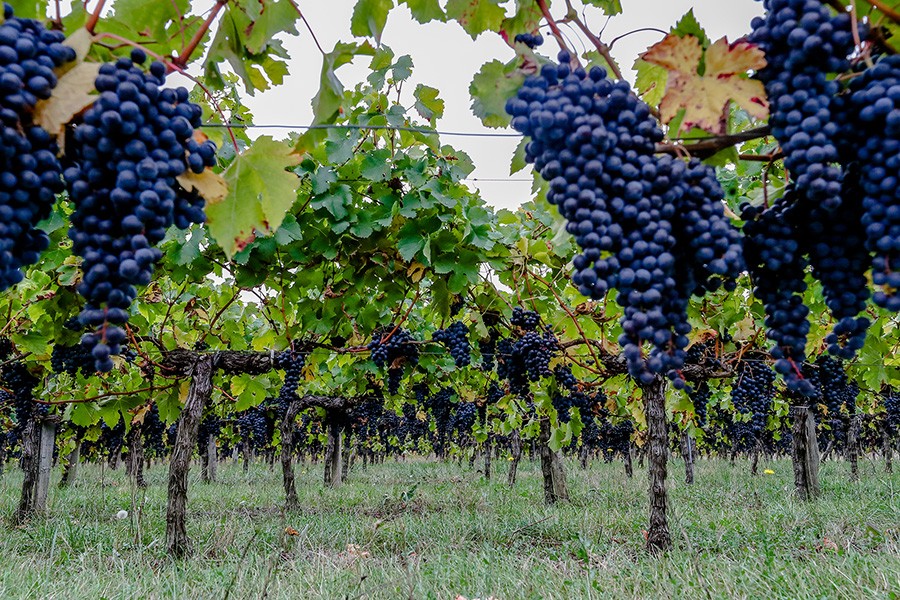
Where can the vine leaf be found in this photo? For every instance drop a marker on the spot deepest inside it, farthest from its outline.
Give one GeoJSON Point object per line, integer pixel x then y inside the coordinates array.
{"type": "Point", "coordinates": [491, 87]}
{"type": "Point", "coordinates": [370, 17]}
{"type": "Point", "coordinates": [74, 93]}
{"type": "Point", "coordinates": [260, 192]}
{"type": "Point", "coordinates": [424, 11]}
{"type": "Point", "coordinates": [704, 95]}
{"type": "Point", "coordinates": [476, 16]}
{"type": "Point", "coordinates": [609, 7]}
{"type": "Point", "coordinates": [427, 103]}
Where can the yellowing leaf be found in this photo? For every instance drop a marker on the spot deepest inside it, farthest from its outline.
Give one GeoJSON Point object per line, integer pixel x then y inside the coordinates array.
{"type": "Point", "coordinates": [80, 41]}
{"type": "Point", "coordinates": [260, 192]}
{"type": "Point", "coordinates": [73, 94]}
{"type": "Point", "coordinates": [208, 184]}
{"type": "Point", "coordinates": [704, 98]}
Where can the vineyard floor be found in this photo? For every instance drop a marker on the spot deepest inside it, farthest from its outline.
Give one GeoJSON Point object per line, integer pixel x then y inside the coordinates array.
{"type": "Point", "coordinates": [426, 529]}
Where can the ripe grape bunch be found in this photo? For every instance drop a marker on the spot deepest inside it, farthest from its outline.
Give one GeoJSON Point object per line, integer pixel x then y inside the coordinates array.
{"type": "Point", "coordinates": [634, 215]}
{"type": "Point", "coordinates": [753, 393]}
{"type": "Point", "coordinates": [134, 141]}
{"type": "Point", "coordinates": [803, 43]}
{"type": "Point", "coordinates": [488, 348]}
{"type": "Point", "coordinates": [30, 173]}
{"type": "Point", "coordinates": [292, 362]}
{"type": "Point", "coordinates": [456, 339]}
{"type": "Point", "coordinates": [525, 319]}
{"type": "Point", "coordinates": [390, 348]}
{"type": "Point", "coordinates": [532, 40]}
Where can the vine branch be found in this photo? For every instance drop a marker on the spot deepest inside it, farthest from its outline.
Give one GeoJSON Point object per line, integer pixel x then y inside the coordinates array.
{"type": "Point", "coordinates": [711, 145]}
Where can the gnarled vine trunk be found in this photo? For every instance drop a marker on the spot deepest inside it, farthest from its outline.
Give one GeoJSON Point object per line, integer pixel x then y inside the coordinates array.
{"type": "Point", "coordinates": [515, 443]}
{"type": "Point", "coordinates": [287, 466]}
{"type": "Point", "coordinates": [29, 463]}
{"type": "Point", "coordinates": [487, 458]}
{"type": "Point", "coordinates": [554, 474]}
{"type": "Point", "coordinates": [654, 393]}
{"type": "Point", "coordinates": [687, 451]}
{"type": "Point", "coordinates": [853, 447]}
{"type": "Point", "coordinates": [199, 393]}
{"type": "Point", "coordinates": [333, 476]}
{"type": "Point", "coordinates": [887, 448]}
{"type": "Point", "coordinates": [135, 464]}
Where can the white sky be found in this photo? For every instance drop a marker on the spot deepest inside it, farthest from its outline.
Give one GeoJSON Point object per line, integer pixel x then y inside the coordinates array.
{"type": "Point", "coordinates": [446, 58]}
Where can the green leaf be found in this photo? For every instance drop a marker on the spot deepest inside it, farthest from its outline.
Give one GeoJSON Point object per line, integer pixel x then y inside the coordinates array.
{"type": "Point", "coordinates": [376, 166]}
{"type": "Point", "coordinates": [260, 192]}
{"type": "Point", "coordinates": [335, 201]}
{"type": "Point", "coordinates": [476, 16]}
{"type": "Point", "coordinates": [650, 82]}
{"type": "Point", "coordinates": [609, 7]}
{"type": "Point", "coordinates": [370, 17]}
{"type": "Point", "coordinates": [427, 103]}
{"type": "Point", "coordinates": [403, 68]}
{"type": "Point", "coordinates": [518, 160]}
{"type": "Point", "coordinates": [688, 25]}
{"type": "Point", "coordinates": [277, 17]}
{"type": "Point", "coordinates": [326, 103]}
{"type": "Point", "coordinates": [424, 11]}
{"type": "Point", "coordinates": [491, 87]}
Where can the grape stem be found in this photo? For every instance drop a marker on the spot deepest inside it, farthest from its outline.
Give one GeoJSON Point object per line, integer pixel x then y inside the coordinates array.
{"type": "Point", "coordinates": [95, 16]}
{"type": "Point", "coordinates": [886, 10]}
{"type": "Point", "coordinates": [181, 61]}
{"type": "Point", "coordinates": [542, 4]}
{"type": "Point", "coordinates": [106, 395]}
{"type": "Point", "coordinates": [614, 40]}
{"type": "Point", "coordinates": [305, 22]}
{"type": "Point", "coordinates": [602, 48]}
{"type": "Point", "coordinates": [711, 145]}
{"type": "Point", "coordinates": [399, 323]}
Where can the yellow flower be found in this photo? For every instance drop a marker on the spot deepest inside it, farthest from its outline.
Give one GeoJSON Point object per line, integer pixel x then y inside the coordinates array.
{"type": "Point", "coordinates": [510, 458]}
{"type": "Point", "coordinates": [769, 472]}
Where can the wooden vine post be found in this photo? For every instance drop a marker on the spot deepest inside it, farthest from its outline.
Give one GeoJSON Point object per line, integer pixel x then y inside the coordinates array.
{"type": "Point", "coordinates": [805, 453]}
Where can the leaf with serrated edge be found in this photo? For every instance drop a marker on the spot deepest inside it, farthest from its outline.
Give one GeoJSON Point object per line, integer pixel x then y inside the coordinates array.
{"type": "Point", "coordinates": [704, 99]}
{"type": "Point", "coordinates": [208, 184]}
{"type": "Point", "coordinates": [260, 192]}
{"type": "Point", "coordinates": [73, 94]}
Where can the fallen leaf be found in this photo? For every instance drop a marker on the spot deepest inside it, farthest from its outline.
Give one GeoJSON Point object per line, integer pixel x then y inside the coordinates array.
{"type": "Point", "coordinates": [704, 98]}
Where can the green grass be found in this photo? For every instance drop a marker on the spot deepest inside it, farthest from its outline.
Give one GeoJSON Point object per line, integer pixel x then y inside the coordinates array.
{"type": "Point", "coordinates": [427, 529]}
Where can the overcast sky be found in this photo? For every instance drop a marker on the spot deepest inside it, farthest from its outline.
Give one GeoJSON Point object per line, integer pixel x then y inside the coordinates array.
{"type": "Point", "coordinates": [446, 58]}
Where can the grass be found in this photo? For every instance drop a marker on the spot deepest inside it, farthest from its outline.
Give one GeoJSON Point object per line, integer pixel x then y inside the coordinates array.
{"type": "Point", "coordinates": [423, 529]}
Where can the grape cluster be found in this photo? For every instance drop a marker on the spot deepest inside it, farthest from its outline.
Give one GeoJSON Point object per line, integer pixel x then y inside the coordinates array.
{"type": "Point", "coordinates": [292, 363]}
{"type": "Point", "coordinates": [837, 391]}
{"type": "Point", "coordinates": [69, 359]}
{"type": "Point", "coordinates": [134, 141]}
{"type": "Point", "coordinates": [615, 439]}
{"type": "Point", "coordinates": [527, 361]}
{"type": "Point", "coordinates": [565, 379]}
{"type": "Point", "coordinates": [891, 400]}
{"type": "Point", "coordinates": [532, 40]}
{"type": "Point", "coordinates": [803, 43]}
{"type": "Point", "coordinates": [459, 302]}
{"type": "Point", "coordinates": [871, 136]}
{"type": "Point", "coordinates": [564, 403]}
{"type": "Point", "coordinates": [30, 173]}
{"type": "Point", "coordinates": [209, 426]}
{"type": "Point", "coordinates": [836, 243]}
{"type": "Point", "coordinates": [525, 319]}
{"type": "Point", "coordinates": [152, 430]}
{"type": "Point", "coordinates": [488, 348]}
{"type": "Point", "coordinates": [17, 378]}
{"type": "Point", "coordinates": [254, 427]}
{"type": "Point", "coordinates": [774, 254]}
{"type": "Point", "coordinates": [634, 215]}
{"type": "Point", "coordinates": [464, 418]}
{"type": "Point", "coordinates": [752, 393]}
{"type": "Point", "coordinates": [390, 348]}
{"type": "Point", "coordinates": [456, 339]}
{"type": "Point", "coordinates": [700, 397]}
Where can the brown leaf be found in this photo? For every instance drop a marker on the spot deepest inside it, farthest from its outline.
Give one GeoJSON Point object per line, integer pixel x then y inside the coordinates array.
{"type": "Point", "coordinates": [705, 98]}
{"type": "Point", "coordinates": [73, 94]}
{"type": "Point", "coordinates": [208, 184]}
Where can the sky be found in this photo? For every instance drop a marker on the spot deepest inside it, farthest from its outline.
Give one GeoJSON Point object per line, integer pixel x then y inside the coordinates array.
{"type": "Point", "coordinates": [446, 58]}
